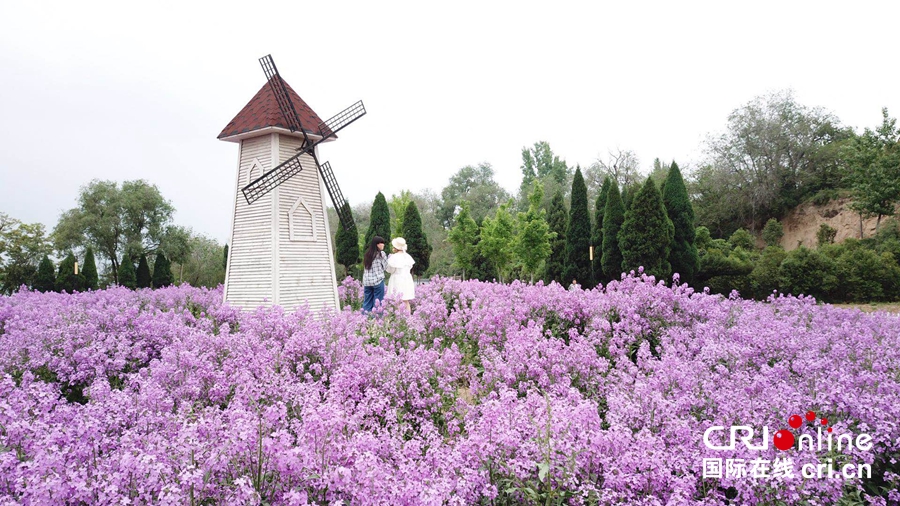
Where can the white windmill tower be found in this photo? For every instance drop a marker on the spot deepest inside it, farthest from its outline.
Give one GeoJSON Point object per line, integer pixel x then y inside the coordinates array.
{"type": "Point", "coordinates": [280, 250]}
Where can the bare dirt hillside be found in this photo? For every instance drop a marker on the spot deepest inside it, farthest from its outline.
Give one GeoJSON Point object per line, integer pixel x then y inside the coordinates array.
{"type": "Point", "coordinates": [801, 224]}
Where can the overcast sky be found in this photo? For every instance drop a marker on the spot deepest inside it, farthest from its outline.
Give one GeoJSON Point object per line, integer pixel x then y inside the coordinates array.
{"type": "Point", "coordinates": [128, 90]}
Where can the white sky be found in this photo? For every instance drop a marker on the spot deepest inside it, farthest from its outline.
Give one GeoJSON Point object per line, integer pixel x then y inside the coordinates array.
{"type": "Point", "coordinates": [126, 90]}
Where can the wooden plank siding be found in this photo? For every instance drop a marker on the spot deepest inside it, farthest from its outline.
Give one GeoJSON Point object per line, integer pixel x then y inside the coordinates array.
{"type": "Point", "coordinates": [249, 280]}
{"type": "Point", "coordinates": [305, 267]}
{"type": "Point", "coordinates": [266, 266]}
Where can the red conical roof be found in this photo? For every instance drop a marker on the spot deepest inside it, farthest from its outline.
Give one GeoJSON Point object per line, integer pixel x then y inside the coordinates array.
{"type": "Point", "coordinates": [262, 112]}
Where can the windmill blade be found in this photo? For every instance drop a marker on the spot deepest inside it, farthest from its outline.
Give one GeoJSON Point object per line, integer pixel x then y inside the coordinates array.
{"type": "Point", "coordinates": [337, 198]}
{"type": "Point", "coordinates": [268, 181]}
{"type": "Point", "coordinates": [340, 120]}
{"type": "Point", "coordinates": [281, 95]}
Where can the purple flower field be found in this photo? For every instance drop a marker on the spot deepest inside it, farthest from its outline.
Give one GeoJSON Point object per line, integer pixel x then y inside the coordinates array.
{"type": "Point", "coordinates": [487, 394]}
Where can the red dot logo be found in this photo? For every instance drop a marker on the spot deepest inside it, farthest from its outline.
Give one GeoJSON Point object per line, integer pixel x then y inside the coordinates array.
{"type": "Point", "coordinates": [784, 440]}
{"type": "Point", "coordinates": [824, 421]}
{"type": "Point", "coordinates": [795, 421]}
{"type": "Point", "coordinates": [810, 416]}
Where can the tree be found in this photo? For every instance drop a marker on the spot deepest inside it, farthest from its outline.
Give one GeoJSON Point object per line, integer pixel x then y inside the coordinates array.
{"type": "Point", "coordinates": [773, 232]}
{"type": "Point", "coordinates": [628, 194]}
{"type": "Point", "coordinates": [773, 153]}
{"type": "Point", "coordinates": [22, 246]}
{"type": "Point", "coordinates": [557, 220]}
{"type": "Point", "coordinates": [613, 216]}
{"type": "Point", "coordinates": [204, 266]}
{"type": "Point", "coordinates": [398, 204]}
{"type": "Point", "coordinates": [162, 271]}
{"type": "Point", "coordinates": [741, 238]}
{"type": "Point", "coordinates": [346, 244]}
{"type": "Point", "coordinates": [474, 185]}
{"type": "Point", "coordinates": [620, 166]}
{"type": "Point", "coordinates": [597, 235]}
{"type": "Point", "coordinates": [874, 176]}
{"type": "Point", "coordinates": [464, 238]}
{"type": "Point", "coordinates": [532, 241]}
{"type": "Point", "coordinates": [91, 280]}
{"type": "Point", "coordinates": [127, 276]}
{"type": "Point", "coordinates": [133, 219]}
{"type": "Point", "coordinates": [578, 235]}
{"type": "Point", "coordinates": [683, 256]}
{"type": "Point", "coordinates": [143, 277]}
{"type": "Point", "coordinates": [497, 240]}
{"type": "Point", "coordinates": [45, 280]}
{"type": "Point", "coordinates": [539, 162]}
{"type": "Point", "coordinates": [647, 232]}
{"type": "Point", "coordinates": [67, 280]}
{"type": "Point", "coordinates": [416, 240]}
{"type": "Point", "coordinates": [825, 235]}
{"type": "Point", "coordinates": [380, 223]}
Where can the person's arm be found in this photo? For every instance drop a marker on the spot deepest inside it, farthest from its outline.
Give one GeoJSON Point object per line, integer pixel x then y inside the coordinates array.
{"type": "Point", "coordinates": [389, 266]}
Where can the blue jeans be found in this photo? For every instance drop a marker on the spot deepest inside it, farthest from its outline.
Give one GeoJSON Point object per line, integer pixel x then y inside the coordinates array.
{"type": "Point", "coordinates": [371, 294]}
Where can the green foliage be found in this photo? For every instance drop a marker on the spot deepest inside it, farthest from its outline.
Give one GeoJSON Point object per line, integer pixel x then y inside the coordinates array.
{"type": "Point", "coordinates": [416, 240]}
{"type": "Point", "coordinates": [702, 238]}
{"type": "Point", "coordinates": [45, 280]}
{"type": "Point", "coordinates": [773, 154]}
{"type": "Point", "coordinates": [474, 185]}
{"type": "Point", "coordinates": [874, 176]}
{"type": "Point", "coordinates": [464, 238]}
{"type": "Point", "coordinates": [66, 279]}
{"type": "Point", "coordinates": [204, 266]}
{"type": "Point", "coordinates": [133, 219]}
{"type": "Point", "coordinates": [127, 275]}
{"type": "Point", "coordinates": [723, 268]}
{"type": "Point", "coordinates": [825, 235]}
{"type": "Point", "coordinates": [347, 244]}
{"type": "Point", "coordinates": [143, 276]}
{"type": "Point", "coordinates": [809, 272]}
{"type": "Point", "coordinates": [741, 238]}
{"type": "Point", "coordinates": [540, 162]}
{"type": "Point", "coordinates": [647, 233]}
{"type": "Point", "coordinates": [683, 256]}
{"type": "Point", "coordinates": [497, 240]}
{"type": "Point", "coordinates": [628, 195]}
{"type": "Point", "coordinates": [613, 216]}
{"type": "Point", "coordinates": [597, 231]}
{"type": "Point", "coordinates": [91, 279]}
{"type": "Point", "coordinates": [380, 221]}
{"type": "Point", "coordinates": [864, 275]}
{"type": "Point", "coordinates": [162, 271]}
{"type": "Point", "coordinates": [773, 232]}
{"type": "Point", "coordinates": [398, 204]}
{"type": "Point", "coordinates": [21, 248]}
{"type": "Point", "coordinates": [532, 241]}
{"type": "Point", "coordinates": [578, 235]}
{"type": "Point", "coordinates": [765, 276]}
{"type": "Point", "coordinates": [557, 220]}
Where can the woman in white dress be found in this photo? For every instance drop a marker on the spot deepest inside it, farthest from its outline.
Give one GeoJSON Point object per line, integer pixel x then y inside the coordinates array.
{"type": "Point", "coordinates": [399, 264]}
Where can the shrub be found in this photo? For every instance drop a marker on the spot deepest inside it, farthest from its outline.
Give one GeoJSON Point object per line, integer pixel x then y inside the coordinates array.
{"type": "Point", "coordinates": [808, 272]}
{"type": "Point", "coordinates": [825, 235]}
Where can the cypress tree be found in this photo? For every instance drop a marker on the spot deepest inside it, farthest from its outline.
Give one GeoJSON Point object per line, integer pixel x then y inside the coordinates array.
{"type": "Point", "coordinates": [162, 271]}
{"type": "Point", "coordinates": [557, 219]}
{"type": "Point", "coordinates": [628, 194]}
{"type": "Point", "coordinates": [683, 256]}
{"type": "Point", "coordinates": [416, 240]}
{"type": "Point", "coordinates": [45, 280]}
{"type": "Point", "coordinates": [127, 276]}
{"type": "Point", "coordinates": [91, 280]}
{"type": "Point", "coordinates": [464, 239]}
{"type": "Point", "coordinates": [144, 279]}
{"type": "Point", "coordinates": [380, 223]}
{"type": "Point", "coordinates": [646, 235]}
{"type": "Point", "coordinates": [597, 235]}
{"type": "Point", "coordinates": [347, 244]}
{"type": "Point", "coordinates": [66, 279]}
{"type": "Point", "coordinates": [578, 235]}
{"type": "Point", "coordinates": [613, 216]}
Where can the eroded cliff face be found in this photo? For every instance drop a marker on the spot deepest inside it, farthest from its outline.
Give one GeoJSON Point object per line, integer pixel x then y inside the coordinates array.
{"type": "Point", "coordinates": [801, 224]}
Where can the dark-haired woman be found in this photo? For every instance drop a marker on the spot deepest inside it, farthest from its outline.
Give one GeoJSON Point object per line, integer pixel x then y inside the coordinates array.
{"type": "Point", "coordinates": [375, 262]}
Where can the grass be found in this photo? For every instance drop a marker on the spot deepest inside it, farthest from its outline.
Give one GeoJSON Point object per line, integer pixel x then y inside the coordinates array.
{"type": "Point", "coordinates": [871, 307]}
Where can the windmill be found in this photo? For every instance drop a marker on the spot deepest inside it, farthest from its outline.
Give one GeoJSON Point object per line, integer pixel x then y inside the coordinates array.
{"type": "Point", "coordinates": [280, 249]}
